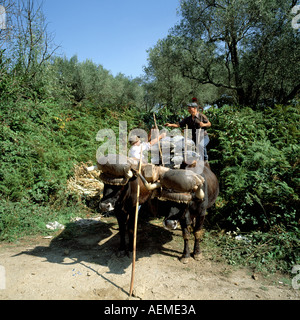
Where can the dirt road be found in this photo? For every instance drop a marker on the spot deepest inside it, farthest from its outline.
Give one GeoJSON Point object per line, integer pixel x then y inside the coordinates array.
{"type": "Point", "coordinates": [81, 263]}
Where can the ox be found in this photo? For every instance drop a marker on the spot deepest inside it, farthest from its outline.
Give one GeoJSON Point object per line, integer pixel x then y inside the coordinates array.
{"type": "Point", "coordinates": [122, 199]}
{"type": "Point", "coordinates": [184, 196]}
{"type": "Point", "coordinates": [120, 193]}
{"type": "Point", "coordinates": [187, 208]}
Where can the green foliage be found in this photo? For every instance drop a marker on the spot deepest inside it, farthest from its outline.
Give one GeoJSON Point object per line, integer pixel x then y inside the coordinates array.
{"type": "Point", "coordinates": [267, 252]}
{"type": "Point", "coordinates": [163, 114]}
{"type": "Point", "coordinates": [19, 219]}
{"type": "Point", "coordinates": [40, 142]}
{"type": "Point", "coordinates": [166, 82]}
{"type": "Point", "coordinates": [88, 81]}
{"type": "Point", "coordinates": [255, 155]}
{"type": "Point", "coordinates": [245, 49]}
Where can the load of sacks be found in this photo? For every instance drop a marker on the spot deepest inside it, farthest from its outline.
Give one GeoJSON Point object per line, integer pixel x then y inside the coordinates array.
{"type": "Point", "coordinates": [174, 151]}
{"type": "Point", "coordinates": [169, 184]}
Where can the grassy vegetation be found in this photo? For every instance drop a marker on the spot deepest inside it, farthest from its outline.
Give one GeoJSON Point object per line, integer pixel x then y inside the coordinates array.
{"type": "Point", "coordinates": [256, 154]}
{"type": "Point", "coordinates": [40, 143]}
{"type": "Point", "coordinates": [266, 252]}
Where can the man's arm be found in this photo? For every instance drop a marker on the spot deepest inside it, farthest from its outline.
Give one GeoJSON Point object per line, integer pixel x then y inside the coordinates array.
{"type": "Point", "coordinates": [154, 141]}
{"type": "Point", "coordinates": [172, 125]}
{"type": "Point", "coordinates": [205, 124]}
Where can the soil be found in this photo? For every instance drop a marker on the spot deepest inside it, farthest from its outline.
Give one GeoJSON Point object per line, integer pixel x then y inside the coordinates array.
{"type": "Point", "coordinates": [81, 263]}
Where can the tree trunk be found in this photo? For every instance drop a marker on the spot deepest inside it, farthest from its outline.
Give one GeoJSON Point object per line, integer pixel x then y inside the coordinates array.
{"type": "Point", "coordinates": [236, 69]}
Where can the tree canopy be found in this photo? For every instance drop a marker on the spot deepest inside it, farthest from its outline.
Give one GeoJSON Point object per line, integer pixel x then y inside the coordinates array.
{"type": "Point", "coordinates": [245, 49]}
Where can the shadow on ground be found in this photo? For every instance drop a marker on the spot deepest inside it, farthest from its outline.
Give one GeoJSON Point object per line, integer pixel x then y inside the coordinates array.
{"type": "Point", "coordinates": [98, 243]}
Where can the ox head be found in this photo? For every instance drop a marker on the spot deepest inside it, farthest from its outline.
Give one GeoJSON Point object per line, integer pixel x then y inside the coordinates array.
{"type": "Point", "coordinates": [115, 174]}
{"type": "Point", "coordinates": [173, 212]}
{"type": "Point", "coordinates": [111, 194]}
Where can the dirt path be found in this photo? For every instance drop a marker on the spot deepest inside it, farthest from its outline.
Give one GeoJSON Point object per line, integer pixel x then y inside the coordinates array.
{"type": "Point", "coordinates": [81, 263]}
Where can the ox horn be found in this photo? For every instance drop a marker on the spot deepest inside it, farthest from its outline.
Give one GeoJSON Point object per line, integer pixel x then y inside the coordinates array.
{"type": "Point", "coordinates": [149, 186]}
{"type": "Point", "coordinates": [200, 193]}
{"type": "Point", "coordinates": [153, 186]}
{"type": "Point", "coordinates": [129, 174]}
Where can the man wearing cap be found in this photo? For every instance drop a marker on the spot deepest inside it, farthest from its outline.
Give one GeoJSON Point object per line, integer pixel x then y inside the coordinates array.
{"type": "Point", "coordinates": [195, 121]}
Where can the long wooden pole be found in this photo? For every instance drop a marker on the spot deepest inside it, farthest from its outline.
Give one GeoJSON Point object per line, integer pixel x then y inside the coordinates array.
{"type": "Point", "coordinates": [135, 227]}
{"type": "Point", "coordinates": [185, 143]}
{"type": "Point", "coordinates": [159, 148]}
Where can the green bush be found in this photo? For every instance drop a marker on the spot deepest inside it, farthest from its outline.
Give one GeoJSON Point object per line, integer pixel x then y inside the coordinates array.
{"type": "Point", "coordinates": [23, 218]}
{"type": "Point", "coordinates": [267, 252]}
{"type": "Point", "coordinates": [40, 142]}
{"type": "Point", "coordinates": [255, 156]}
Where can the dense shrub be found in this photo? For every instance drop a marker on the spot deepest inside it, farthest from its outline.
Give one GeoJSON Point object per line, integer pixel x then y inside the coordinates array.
{"type": "Point", "coordinates": [40, 142]}
{"type": "Point", "coordinates": [256, 155]}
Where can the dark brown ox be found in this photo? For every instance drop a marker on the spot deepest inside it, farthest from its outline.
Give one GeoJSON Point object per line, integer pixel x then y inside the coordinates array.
{"type": "Point", "coordinates": [120, 195]}
{"type": "Point", "coordinates": [193, 214]}
{"type": "Point", "coordinates": [189, 208]}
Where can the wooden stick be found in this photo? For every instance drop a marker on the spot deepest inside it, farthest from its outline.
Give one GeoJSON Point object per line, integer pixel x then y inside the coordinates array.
{"type": "Point", "coordinates": [160, 151]}
{"type": "Point", "coordinates": [135, 227]}
{"type": "Point", "coordinates": [185, 143]}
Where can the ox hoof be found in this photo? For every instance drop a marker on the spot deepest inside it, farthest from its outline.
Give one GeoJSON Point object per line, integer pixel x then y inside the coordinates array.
{"type": "Point", "coordinates": [198, 257]}
{"type": "Point", "coordinates": [185, 260]}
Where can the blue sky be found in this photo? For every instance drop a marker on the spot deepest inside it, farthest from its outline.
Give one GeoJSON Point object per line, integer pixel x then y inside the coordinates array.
{"type": "Point", "coordinates": [113, 33]}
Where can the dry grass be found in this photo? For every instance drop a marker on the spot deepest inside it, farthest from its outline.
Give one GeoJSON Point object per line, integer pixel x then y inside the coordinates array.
{"type": "Point", "coordinates": [85, 184]}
